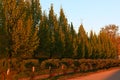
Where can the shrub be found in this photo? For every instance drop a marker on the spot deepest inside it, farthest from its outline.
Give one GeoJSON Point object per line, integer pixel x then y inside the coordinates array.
{"type": "Point", "coordinates": [54, 63]}
{"type": "Point", "coordinates": [3, 64]}
{"type": "Point", "coordinates": [67, 62]}
{"type": "Point", "coordinates": [28, 64]}
{"type": "Point", "coordinates": [75, 65]}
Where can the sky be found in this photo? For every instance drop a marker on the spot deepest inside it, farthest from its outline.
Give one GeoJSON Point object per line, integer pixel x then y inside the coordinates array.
{"type": "Point", "coordinates": [93, 14]}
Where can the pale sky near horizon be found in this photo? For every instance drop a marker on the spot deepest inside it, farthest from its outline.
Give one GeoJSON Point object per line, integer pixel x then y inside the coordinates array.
{"type": "Point", "coordinates": [94, 14]}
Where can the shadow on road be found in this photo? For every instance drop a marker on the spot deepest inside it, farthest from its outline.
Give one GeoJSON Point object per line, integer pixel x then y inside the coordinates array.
{"type": "Point", "coordinates": [114, 76]}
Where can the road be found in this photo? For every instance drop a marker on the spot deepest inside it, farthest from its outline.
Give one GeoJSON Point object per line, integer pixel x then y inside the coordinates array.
{"type": "Point", "coordinates": [113, 74]}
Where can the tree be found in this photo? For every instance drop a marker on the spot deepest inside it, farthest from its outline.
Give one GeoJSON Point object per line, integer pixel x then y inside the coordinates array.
{"type": "Point", "coordinates": [48, 34]}
{"type": "Point", "coordinates": [3, 41]}
{"type": "Point", "coordinates": [44, 45]}
{"type": "Point", "coordinates": [19, 29]}
{"type": "Point", "coordinates": [94, 45]}
{"type": "Point", "coordinates": [55, 39]}
{"type": "Point", "coordinates": [82, 43]}
{"type": "Point", "coordinates": [36, 12]}
{"type": "Point", "coordinates": [25, 39]}
{"type": "Point", "coordinates": [112, 33]}
{"type": "Point", "coordinates": [63, 23]}
{"type": "Point", "coordinates": [73, 40]}
{"type": "Point", "coordinates": [111, 30]}
{"type": "Point", "coordinates": [1, 14]}
{"type": "Point", "coordinates": [52, 30]}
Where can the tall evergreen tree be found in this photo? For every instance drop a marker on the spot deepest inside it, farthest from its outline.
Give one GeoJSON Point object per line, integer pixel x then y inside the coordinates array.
{"type": "Point", "coordinates": [51, 30]}
{"type": "Point", "coordinates": [82, 43]}
{"type": "Point", "coordinates": [63, 23]}
{"type": "Point", "coordinates": [3, 41]}
{"type": "Point", "coordinates": [55, 39]}
{"type": "Point", "coordinates": [61, 42]}
{"type": "Point", "coordinates": [73, 41]}
{"type": "Point", "coordinates": [44, 46]}
{"type": "Point", "coordinates": [94, 43]}
{"type": "Point", "coordinates": [19, 30]}
{"type": "Point", "coordinates": [36, 12]}
{"type": "Point", "coordinates": [108, 47]}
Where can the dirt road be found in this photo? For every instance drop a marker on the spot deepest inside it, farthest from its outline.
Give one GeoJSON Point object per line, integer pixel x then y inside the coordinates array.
{"type": "Point", "coordinates": [113, 74]}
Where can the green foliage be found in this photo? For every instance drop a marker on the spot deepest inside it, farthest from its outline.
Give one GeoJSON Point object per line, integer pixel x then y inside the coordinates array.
{"type": "Point", "coordinates": [67, 61]}
{"type": "Point", "coordinates": [31, 62]}
{"type": "Point", "coordinates": [36, 12]}
{"type": "Point", "coordinates": [79, 65]}
{"type": "Point", "coordinates": [3, 40]}
{"type": "Point", "coordinates": [19, 30]}
{"type": "Point", "coordinates": [53, 63]}
{"type": "Point", "coordinates": [26, 65]}
{"type": "Point", "coordinates": [27, 32]}
{"type": "Point", "coordinates": [3, 65]}
{"type": "Point", "coordinates": [64, 66]}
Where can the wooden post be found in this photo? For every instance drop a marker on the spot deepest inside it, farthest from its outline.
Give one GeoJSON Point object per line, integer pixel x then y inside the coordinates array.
{"type": "Point", "coordinates": [8, 71]}
{"type": "Point", "coordinates": [33, 69]}
{"type": "Point", "coordinates": [63, 69]}
{"type": "Point", "coordinates": [50, 71]}
{"type": "Point", "coordinates": [8, 77]}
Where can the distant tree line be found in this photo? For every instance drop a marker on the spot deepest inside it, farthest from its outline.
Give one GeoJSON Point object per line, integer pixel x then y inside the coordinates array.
{"type": "Point", "coordinates": [28, 32]}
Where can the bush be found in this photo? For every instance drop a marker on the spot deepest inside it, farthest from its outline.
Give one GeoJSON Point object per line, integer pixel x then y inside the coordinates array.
{"type": "Point", "coordinates": [54, 63]}
{"type": "Point", "coordinates": [28, 64]}
{"type": "Point", "coordinates": [75, 66]}
{"type": "Point", "coordinates": [63, 66]}
{"type": "Point", "coordinates": [67, 62]}
{"type": "Point", "coordinates": [3, 64]}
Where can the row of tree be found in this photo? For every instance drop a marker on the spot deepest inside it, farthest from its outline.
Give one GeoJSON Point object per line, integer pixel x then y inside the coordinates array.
{"type": "Point", "coordinates": [28, 32]}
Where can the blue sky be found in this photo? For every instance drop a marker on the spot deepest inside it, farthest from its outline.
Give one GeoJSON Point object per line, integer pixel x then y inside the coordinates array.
{"type": "Point", "coordinates": [94, 14]}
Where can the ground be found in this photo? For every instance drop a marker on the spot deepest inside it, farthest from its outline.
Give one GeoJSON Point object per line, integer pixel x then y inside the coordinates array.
{"type": "Point", "coordinates": [113, 74]}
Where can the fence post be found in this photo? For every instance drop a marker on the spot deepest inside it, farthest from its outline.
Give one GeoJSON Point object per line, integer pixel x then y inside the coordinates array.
{"type": "Point", "coordinates": [33, 70]}
{"type": "Point", "coordinates": [63, 69]}
{"type": "Point", "coordinates": [50, 71]}
{"type": "Point", "coordinates": [8, 74]}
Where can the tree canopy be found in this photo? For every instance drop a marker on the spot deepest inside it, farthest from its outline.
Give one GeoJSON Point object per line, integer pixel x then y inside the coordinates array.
{"type": "Point", "coordinates": [28, 32]}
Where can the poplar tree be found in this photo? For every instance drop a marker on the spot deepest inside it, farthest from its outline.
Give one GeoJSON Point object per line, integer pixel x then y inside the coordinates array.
{"type": "Point", "coordinates": [82, 43]}
{"type": "Point", "coordinates": [22, 37]}
{"type": "Point", "coordinates": [36, 12]}
{"type": "Point", "coordinates": [51, 30]}
{"type": "Point", "coordinates": [94, 43]}
{"type": "Point", "coordinates": [63, 23]}
{"type": "Point", "coordinates": [73, 41]}
{"type": "Point", "coordinates": [61, 42]}
{"type": "Point", "coordinates": [90, 41]}
{"type": "Point", "coordinates": [1, 14]}
{"type": "Point", "coordinates": [3, 41]}
{"type": "Point", "coordinates": [108, 41]}
{"type": "Point", "coordinates": [44, 46]}
{"type": "Point", "coordinates": [55, 39]}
